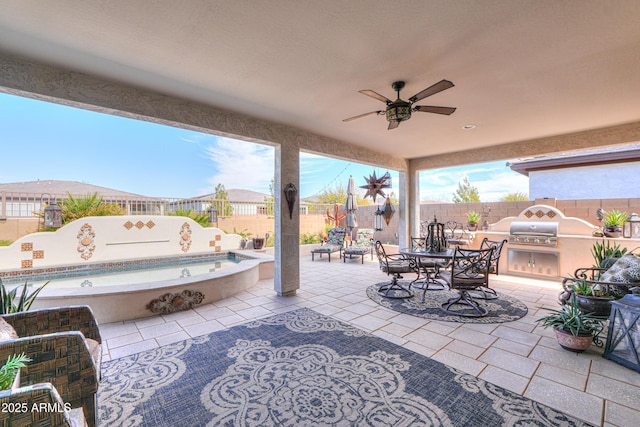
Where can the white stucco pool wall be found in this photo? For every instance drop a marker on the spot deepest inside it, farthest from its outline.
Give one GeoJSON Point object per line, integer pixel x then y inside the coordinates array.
{"type": "Point", "coordinates": [111, 239]}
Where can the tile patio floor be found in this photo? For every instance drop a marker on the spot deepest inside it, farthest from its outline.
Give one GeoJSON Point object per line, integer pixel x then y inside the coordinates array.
{"type": "Point", "coordinates": [517, 355]}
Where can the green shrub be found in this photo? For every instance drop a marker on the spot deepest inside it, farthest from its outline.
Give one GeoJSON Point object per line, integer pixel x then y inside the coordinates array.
{"type": "Point", "coordinates": [5, 242]}
{"type": "Point", "coordinates": [201, 218]}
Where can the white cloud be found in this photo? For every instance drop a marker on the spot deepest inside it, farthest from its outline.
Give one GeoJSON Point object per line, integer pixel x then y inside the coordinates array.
{"type": "Point", "coordinates": [240, 164]}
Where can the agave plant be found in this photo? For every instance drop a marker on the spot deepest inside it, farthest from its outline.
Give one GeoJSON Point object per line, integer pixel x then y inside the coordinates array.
{"type": "Point", "coordinates": [10, 302]}
{"type": "Point", "coordinates": [604, 251]}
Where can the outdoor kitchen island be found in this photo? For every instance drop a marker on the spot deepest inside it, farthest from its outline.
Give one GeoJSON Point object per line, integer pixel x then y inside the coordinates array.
{"type": "Point", "coordinates": [542, 242]}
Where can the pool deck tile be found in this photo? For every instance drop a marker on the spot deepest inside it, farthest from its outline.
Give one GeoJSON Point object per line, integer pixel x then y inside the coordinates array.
{"type": "Point", "coordinates": [518, 356]}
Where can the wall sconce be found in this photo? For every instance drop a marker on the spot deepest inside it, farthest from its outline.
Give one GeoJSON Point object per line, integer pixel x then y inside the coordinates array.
{"type": "Point", "coordinates": [623, 338]}
{"type": "Point", "coordinates": [290, 194]}
{"type": "Point", "coordinates": [631, 228]}
{"type": "Point", "coordinates": [486, 210]}
{"type": "Point", "coordinates": [53, 215]}
{"type": "Point", "coordinates": [388, 212]}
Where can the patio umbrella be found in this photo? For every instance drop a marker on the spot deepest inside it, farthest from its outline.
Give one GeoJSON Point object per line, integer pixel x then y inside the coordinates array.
{"type": "Point", "coordinates": [351, 206]}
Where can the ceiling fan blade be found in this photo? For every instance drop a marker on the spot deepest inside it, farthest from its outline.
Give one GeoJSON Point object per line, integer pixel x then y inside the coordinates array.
{"type": "Point", "coordinates": [432, 90]}
{"type": "Point", "coordinates": [375, 95]}
{"type": "Point", "coordinates": [362, 115]}
{"type": "Point", "coordinates": [393, 125]}
{"type": "Point", "coordinates": [431, 109]}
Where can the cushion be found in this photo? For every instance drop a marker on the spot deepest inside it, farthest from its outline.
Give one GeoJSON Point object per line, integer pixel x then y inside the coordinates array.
{"type": "Point", "coordinates": [95, 349]}
{"type": "Point", "coordinates": [624, 270]}
{"type": "Point", "coordinates": [6, 331]}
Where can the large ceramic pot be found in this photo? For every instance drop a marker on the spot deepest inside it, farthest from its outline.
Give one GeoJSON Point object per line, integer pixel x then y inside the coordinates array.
{"type": "Point", "coordinates": [600, 306]}
{"type": "Point", "coordinates": [571, 342]}
{"type": "Point", "coordinates": [612, 231]}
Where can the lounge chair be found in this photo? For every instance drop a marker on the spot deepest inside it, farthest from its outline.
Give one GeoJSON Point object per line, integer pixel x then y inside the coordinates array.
{"type": "Point", "coordinates": [361, 246]}
{"type": "Point", "coordinates": [334, 243]}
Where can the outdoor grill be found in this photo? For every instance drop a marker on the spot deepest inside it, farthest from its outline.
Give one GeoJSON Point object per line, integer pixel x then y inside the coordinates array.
{"type": "Point", "coordinates": [534, 233]}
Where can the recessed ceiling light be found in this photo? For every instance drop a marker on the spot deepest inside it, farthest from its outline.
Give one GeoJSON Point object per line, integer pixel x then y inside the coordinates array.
{"type": "Point", "coordinates": [468, 127]}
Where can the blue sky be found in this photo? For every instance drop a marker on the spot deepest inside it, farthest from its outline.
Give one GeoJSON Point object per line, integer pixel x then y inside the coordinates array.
{"type": "Point", "coordinates": [44, 141]}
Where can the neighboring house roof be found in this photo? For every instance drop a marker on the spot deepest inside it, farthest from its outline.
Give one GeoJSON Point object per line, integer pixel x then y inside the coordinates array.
{"type": "Point", "coordinates": [595, 156]}
{"type": "Point", "coordinates": [53, 186]}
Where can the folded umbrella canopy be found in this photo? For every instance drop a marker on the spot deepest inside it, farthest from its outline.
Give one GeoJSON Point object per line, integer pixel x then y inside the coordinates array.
{"type": "Point", "coordinates": [351, 206]}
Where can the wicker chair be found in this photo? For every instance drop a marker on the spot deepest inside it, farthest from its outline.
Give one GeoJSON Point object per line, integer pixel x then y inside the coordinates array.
{"type": "Point", "coordinates": [64, 346]}
{"type": "Point", "coordinates": [23, 400]}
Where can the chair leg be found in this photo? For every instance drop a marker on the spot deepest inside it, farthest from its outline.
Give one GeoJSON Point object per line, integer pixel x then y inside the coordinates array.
{"type": "Point", "coordinates": [485, 293]}
{"type": "Point", "coordinates": [394, 290]}
{"type": "Point", "coordinates": [464, 299]}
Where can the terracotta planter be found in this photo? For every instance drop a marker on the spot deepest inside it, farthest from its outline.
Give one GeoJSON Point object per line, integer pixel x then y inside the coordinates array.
{"type": "Point", "coordinates": [600, 306]}
{"type": "Point", "coordinates": [570, 342]}
{"type": "Point", "coordinates": [612, 231]}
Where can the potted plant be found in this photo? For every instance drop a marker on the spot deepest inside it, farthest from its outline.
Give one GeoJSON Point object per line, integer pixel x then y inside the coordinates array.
{"type": "Point", "coordinates": [613, 221]}
{"type": "Point", "coordinates": [574, 329]}
{"type": "Point", "coordinates": [473, 218]}
{"type": "Point", "coordinates": [592, 298]}
{"type": "Point", "coordinates": [10, 371]}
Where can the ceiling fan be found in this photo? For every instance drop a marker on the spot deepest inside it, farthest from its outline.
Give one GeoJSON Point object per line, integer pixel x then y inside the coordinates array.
{"type": "Point", "coordinates": [400, 110]}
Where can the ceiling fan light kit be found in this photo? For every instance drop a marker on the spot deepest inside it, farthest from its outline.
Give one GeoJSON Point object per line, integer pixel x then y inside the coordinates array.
{"type": "Point", "coordinates": [400, 110]}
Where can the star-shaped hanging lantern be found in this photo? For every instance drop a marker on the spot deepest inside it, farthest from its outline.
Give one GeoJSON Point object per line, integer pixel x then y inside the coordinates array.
{"type": "Point", "coordinates": [375, 185]}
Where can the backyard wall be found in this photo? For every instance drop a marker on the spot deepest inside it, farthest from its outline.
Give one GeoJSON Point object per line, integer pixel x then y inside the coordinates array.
{"type": "Point", "coordinates": [258, 225]}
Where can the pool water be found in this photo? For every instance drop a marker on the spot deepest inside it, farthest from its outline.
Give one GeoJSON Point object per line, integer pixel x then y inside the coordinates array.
{"type": "Point", "coordinates": [130, 274]}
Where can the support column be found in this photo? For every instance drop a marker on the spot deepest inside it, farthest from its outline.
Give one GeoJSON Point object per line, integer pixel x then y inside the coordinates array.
{"type": "Point", "coordinates": [287, 233]}
{"type": "Point", "coordinates": [404, 209]}
{"type": "Point", "coordinates": [414, 201]}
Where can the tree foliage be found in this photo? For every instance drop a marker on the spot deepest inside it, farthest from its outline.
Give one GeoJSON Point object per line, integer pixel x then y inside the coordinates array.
{"type": "Point", "coordinates": [220, 201]}
{"type": "Point", "coordinates": [466, 193]}
{"type": "Point", "coordinates": [88, 205]}
{"type": "Point", "coordinates": [338, 194]}
{"type": "Point", "coordinates": [515, 197]}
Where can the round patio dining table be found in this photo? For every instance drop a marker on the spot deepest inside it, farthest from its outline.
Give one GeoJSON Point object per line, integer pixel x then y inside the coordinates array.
{"type": "Point", "coordinates": [429, 269]}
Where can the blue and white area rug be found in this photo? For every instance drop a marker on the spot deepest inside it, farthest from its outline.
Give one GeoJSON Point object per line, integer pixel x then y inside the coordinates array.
{"type": "Point", "coordinates": [302, 368]}
{"type": "Point", "coordinates": [505, 308]}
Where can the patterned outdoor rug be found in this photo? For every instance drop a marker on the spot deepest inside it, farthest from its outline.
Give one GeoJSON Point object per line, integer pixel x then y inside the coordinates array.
{"type": "Point", "coordinates": [502, 309]}
{"type": "Point", "coordinates": [302, 368]}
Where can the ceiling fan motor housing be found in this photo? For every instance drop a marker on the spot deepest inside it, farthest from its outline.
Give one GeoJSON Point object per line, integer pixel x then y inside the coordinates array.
{"type": "Point", "coordinates": [398, 111]}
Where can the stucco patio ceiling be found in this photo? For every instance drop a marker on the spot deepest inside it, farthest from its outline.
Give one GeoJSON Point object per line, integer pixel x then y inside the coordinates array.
{"type": "Point", "coordinates": [522, 69]}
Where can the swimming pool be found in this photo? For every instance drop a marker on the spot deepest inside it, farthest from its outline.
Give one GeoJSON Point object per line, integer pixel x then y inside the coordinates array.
{"type": "Point", "coordinates": [129, 289]}
{"type": "Point", "coordinates": [129, 272]}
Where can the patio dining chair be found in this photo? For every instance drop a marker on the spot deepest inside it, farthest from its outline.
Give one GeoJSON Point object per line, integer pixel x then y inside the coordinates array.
{"type": "Point", "coordinates": [394, 265]}
{"type": "Point", "coordinates": [456, 234]}
{"type": "Point", "coordinates": [427, 268]}
{"type": "Point", "coordinates": [361, 246]}
{"type": "Point", "coordinates": [469, 272]}
{"type": "Point", "coordinates": [64, 346]}
{"type": "Point", "coordinates": [334, 243]}
{"type": "Point", "coordinates": [497, 251]}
